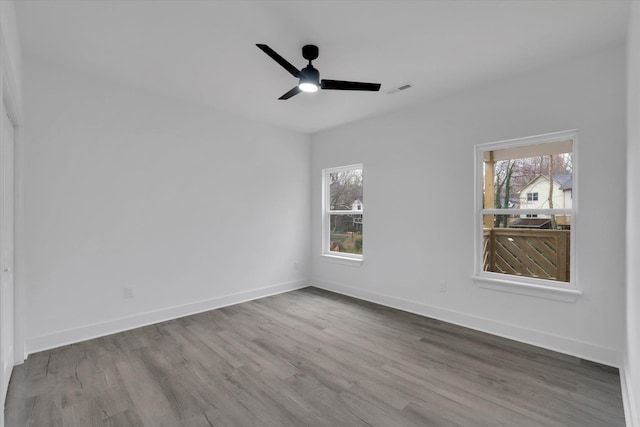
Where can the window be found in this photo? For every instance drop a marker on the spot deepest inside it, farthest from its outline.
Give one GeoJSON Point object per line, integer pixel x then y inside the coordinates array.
{"type": "Point", "coordinates": [525, 215]}
{"type": "Point", "coordinates": [343, 208]}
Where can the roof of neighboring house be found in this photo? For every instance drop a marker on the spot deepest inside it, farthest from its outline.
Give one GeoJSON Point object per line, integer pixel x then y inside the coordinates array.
{"type": "Point", "coordinates": [531, 223]}
{"type": "Point", "coordinates": [564, 180]}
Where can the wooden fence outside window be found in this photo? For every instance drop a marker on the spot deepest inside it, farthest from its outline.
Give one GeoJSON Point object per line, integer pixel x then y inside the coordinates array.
{"type": "Point", "coordinates": [543, 254]}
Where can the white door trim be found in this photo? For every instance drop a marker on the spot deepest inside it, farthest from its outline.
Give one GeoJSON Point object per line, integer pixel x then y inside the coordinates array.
{"type": "Point", "coordinates": [7, 163]}
{"type": "Point", "coordinates": [10, 95]}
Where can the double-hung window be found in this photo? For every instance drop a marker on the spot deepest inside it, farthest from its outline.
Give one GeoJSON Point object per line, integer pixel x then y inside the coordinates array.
{"type": "Point", "coordinates": [526, 215]}
{"type": "Point", "coordinates": [343, 210]}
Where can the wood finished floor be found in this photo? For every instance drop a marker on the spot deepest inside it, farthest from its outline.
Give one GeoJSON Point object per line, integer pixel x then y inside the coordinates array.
{"type": "Point", "coordinates": [309, 358]}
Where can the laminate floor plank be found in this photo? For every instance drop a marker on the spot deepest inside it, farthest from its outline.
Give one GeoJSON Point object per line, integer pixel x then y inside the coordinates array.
{"type": "Point", "coordinates": [127, 418]}
{"type": "Point", "coordinates": [537, 387]}
{"type": "Point", "coordinates": [84, 413]}
{"type": "Point", "coordinates": [309, 358]}
{"type": "Point", "coordinates": [145, 390]}
{"type": "Point", "coordinates": [459, 389]}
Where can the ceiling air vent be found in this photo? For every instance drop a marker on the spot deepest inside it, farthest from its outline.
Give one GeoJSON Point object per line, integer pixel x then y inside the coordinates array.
{"type": "Point", "coordinates": [399, 88]}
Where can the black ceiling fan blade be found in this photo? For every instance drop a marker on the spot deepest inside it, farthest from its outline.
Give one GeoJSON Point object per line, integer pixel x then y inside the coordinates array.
{"type": "Point", "coordinates": [345, 85]}
{"type": "Point", "coordinates": [296, 90]}
{"type": "Point", "coordinates": [279, 59]}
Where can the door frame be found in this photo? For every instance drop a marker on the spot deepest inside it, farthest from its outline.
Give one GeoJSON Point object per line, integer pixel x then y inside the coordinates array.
{"type": "Point", "coordinates": [7, 247]}
{"type": "Point", "coordinates": [10, 95]}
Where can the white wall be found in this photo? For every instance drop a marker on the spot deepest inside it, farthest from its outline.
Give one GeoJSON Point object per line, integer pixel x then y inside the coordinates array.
{"type": "Point", "coordinates": [632, 360]}
{"type": "Point", "coordinates": [408, 254]}
{"type": "Point", "coordinates": [191, 207]}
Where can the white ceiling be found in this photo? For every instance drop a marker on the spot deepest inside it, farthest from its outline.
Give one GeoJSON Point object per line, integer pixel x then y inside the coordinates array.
{"type": "Point", "coordinates": [204, 51]}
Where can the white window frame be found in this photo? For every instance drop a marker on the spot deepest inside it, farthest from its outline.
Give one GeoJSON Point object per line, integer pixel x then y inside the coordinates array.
{"type": "Point", "coordinates": [544, 288]}
{"type": "Point", "coordinates": [327, 254]}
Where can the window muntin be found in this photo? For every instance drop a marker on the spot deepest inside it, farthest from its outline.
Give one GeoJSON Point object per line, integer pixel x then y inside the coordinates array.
{"type": "Point", "coordinates": [525, 220]}
{"type": "Point", "coordinates": [343, 208]}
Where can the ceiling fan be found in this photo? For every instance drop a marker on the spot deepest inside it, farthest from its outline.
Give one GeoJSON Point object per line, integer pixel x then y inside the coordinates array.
{"type": "Point", "coordinates": [309, 77]}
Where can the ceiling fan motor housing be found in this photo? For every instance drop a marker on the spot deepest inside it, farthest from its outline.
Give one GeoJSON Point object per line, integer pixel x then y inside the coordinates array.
{"type": "Point", "coordinates": [310, 75]}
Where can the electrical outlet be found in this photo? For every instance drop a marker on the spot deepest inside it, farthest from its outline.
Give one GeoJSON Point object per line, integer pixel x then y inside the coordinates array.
{"type": "Point", "coordinates": [443, 286]}
{"type": "Point", "coordinates": [128, 293]}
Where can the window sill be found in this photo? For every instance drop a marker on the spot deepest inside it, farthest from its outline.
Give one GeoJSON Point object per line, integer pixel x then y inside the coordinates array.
{"type": "Point", "coordinates": [336, 259]}
{"type": "Point", "coordinates": [567, 294]}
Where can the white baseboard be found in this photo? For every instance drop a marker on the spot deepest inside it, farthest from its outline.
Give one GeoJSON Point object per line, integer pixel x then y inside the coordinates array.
{"type": "Point", "coordinates": [588, 351]}
{"type": "Point", "coordinates": [83, 333]}
{"type": "Point", "coordinates": [630, 404]}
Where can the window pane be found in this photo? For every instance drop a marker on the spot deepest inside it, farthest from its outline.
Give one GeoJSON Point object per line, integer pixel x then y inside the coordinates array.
{"type": "Point", "coordinates": [346, 190]}
{"type": "Point", "coordinates": [345, 234]}
{"type": "Point", "coordinates": [541, 182]}
{"type": "Point", "coordinates": [533, 247]}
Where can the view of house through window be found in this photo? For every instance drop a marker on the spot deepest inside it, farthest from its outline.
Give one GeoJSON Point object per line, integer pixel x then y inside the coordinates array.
{"type": "Point", "coordinates": [344, 210]}
{"type": "Point", "coordinates": [527, 210]}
